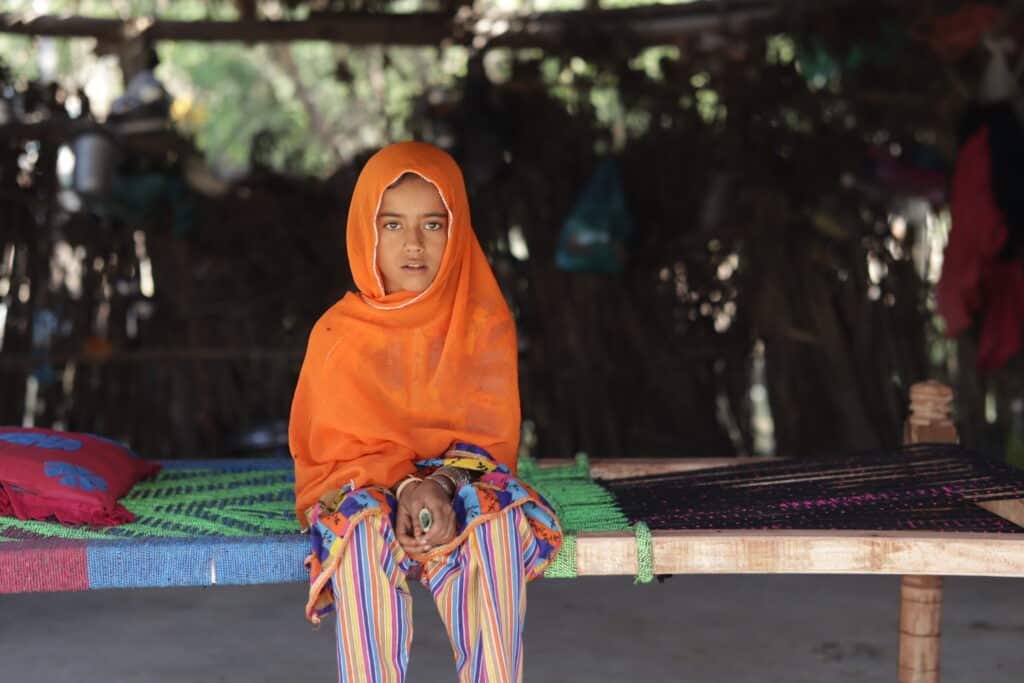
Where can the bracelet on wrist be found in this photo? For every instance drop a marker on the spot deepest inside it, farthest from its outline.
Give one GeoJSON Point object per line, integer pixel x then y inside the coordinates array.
{"type": "Point", "coordinates": [446, 484]}
{"type": "Point", "coordinates": [457, 475]}
{"type": "Point", "coordinates": [405, 482]}
{"type": "Point", "coordinates": [448, 478]}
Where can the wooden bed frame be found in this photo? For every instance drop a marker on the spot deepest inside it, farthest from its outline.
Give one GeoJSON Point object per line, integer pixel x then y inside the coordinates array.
{"type": "Point", "coordinates": [921, 557]}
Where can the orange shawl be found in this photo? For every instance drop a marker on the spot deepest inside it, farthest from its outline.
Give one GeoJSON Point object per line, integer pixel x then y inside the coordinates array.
{"type": "Point", "coordinates": [392, 378]}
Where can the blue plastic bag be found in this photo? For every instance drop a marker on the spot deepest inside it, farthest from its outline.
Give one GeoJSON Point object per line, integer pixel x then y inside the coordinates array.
{"type": "Point", "coordinates": [594, 234]}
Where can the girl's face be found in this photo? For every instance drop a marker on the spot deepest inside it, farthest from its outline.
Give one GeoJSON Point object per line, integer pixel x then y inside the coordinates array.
{"type": "Point", "coordinates": [412, 231]}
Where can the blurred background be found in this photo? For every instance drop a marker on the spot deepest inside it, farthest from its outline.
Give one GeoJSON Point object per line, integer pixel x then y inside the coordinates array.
{"type": "Point", "coordinates": [735, 227]}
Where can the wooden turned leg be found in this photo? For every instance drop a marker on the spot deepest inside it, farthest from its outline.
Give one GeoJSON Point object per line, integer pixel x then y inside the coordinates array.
{"type": "Point", "coordinates": [920, 629]}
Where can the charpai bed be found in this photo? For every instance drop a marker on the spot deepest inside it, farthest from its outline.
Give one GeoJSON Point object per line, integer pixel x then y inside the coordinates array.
{"type": "Point", "coordinates": [925, 511]}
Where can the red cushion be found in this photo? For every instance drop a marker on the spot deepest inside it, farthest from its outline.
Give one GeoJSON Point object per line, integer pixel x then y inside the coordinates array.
{"type": "Point", "coordinates": [76, 478]}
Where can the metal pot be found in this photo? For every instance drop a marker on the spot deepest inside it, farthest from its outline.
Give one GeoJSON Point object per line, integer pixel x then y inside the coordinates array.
{"type": "Point", "coordinates": [96, 156]}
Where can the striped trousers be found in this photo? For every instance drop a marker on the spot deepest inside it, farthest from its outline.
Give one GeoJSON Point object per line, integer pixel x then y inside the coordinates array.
{"type": "Point", "coordinates": [479, 589]}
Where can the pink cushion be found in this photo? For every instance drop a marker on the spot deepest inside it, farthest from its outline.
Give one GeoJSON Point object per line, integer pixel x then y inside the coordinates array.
{"type": "Point", "coordinates": [75, 478]}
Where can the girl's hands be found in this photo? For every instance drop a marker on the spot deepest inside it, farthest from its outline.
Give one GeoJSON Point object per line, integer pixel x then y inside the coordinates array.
{"type": "Point", "coordinates": [425, 494]}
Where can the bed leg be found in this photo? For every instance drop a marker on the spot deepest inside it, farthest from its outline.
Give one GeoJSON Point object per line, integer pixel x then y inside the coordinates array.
{"type": "Point", "coordinates": [920, 629]}
{"type": "Point", "coordinates": [921, 596]}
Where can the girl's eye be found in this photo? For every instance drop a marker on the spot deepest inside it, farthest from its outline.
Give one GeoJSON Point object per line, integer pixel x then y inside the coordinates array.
{"type": "Point", "coordinates": [433, 226]}
{"type": "Point", "coordinates": [392, 226]}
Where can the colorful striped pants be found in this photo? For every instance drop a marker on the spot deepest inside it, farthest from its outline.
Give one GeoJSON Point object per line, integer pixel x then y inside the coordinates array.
{"type": "Point", "coordinates": [479, 589]}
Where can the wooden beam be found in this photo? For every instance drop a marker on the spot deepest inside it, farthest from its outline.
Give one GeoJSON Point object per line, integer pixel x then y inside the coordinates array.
{"type": "Point", "coordinates": [646, 25]}
{"type": "Point", "coordinates": [621, 468]}
{"type": "Point", "coordinates": [26, 361]}
{"type": "Point", "coordinates": [806, 552]}
{"type": "Point", "coordinates": [1012, 510]}
{"type": "Point", "coordinates": [355, 29]}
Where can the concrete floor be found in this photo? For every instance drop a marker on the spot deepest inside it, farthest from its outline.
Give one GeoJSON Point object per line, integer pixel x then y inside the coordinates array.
{"type": "Point", "coordinates": [740, 629]}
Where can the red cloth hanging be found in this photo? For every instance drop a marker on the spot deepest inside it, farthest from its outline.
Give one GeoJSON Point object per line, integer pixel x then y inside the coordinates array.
{"type": "Point", "coordinates": [976, 286]}
{"type": "Point", "coordinates": [954, 35]}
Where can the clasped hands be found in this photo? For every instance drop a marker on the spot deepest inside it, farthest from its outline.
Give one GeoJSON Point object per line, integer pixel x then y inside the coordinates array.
{"type": "Point", "coordinates": [413, 497]}
{"type": "Point", "coordinates": [416, 496]}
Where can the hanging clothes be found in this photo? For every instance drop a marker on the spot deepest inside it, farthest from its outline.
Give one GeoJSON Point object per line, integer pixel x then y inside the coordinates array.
{"type": "Point", "coordinates": [979, 286]}
{"type": "Point", "coordinates": [1006, 146]}
{"type": "Point", "coordinates": [595, 233]}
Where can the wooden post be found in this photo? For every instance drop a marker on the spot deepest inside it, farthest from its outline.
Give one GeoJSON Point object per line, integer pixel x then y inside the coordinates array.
{"type": "Point", "coordinates": [920, 629]}
{"type": "Point", "coordinates": [929, 421]}
{"type": "Point", "coordinates": [921, 596]}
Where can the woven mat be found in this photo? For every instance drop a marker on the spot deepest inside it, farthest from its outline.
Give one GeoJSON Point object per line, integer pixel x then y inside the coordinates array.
{"type": "Point", "coordinates": [929, 487]}
{"type": "Point", "coordinates": [229, 522]}
{"type": "Point", "coordinates": [191, 499]}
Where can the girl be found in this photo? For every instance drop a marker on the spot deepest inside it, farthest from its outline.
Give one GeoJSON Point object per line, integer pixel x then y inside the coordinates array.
{"type": "Point", "coordinates": [404, 430]}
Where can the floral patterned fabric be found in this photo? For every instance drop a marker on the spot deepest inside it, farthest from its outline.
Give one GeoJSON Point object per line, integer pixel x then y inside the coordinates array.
{"type": "Point", "coordinates": [495, 491]}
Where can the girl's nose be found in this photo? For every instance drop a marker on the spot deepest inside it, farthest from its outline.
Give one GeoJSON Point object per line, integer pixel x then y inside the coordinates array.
{"type": "Point", "coordinates": [415, 241]}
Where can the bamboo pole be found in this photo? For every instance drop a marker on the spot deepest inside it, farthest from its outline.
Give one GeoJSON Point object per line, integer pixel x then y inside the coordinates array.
{"type": "Point", "coordinates": [921, 596]}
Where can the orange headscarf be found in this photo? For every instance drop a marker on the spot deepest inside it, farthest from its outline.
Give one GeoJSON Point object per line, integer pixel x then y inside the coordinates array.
{"type": "Point", "coordinates": [392, 378]}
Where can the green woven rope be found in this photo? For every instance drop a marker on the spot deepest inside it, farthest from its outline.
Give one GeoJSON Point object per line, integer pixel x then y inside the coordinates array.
{"type": "Point", "coordinates": [188, 503]}
{"type": "Point", "coordinates": [183, 479]}
{"type": "Point", "coordinates": [580, 503]}
{"type": "Point", "coordinates": [50, 529]}
{"type": "Point", "coordinates": [583, 505]}
{"type": "Point", "coordinates": [564, 564]}
{"type": "Point", "coordinates": [644, 554]}
{"type": "Point", "coordinates": [583, 465]}
{"type": "Point", "coordinates": [195, 494]}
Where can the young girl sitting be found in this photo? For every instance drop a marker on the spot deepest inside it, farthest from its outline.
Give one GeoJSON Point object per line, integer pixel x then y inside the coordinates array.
{"type": "Point", "coordinates": [405, 429]}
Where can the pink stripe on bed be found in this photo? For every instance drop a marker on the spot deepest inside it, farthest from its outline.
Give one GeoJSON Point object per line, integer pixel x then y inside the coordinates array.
{"type": "Point", "coordinates": [29, 566]}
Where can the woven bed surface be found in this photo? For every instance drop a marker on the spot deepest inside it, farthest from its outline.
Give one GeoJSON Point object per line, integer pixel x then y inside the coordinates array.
{"type": "Point", "coordinates": [250, 498]}
{"type": "Point", "coordinates": [928, 487]}
{"type": "Point", "coordinates": [190, 499]}
{"type": "Point", "coordinates": [232, 521]}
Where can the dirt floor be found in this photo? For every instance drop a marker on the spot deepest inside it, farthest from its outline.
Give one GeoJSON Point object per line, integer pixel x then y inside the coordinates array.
{"type": "Point", "coordinates": [741, 629]}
